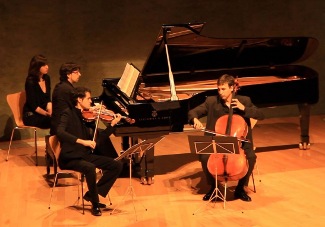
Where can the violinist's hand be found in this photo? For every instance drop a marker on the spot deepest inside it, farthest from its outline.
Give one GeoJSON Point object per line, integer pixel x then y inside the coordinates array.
{"type": "Point", "coordinates": [87, 143]}
{"type": "Point", "coordinates": [236, 104]}
{"type": "Point", "coordinates": [197, 124]}
{"type": "Point", "coordinates": [117, 118]}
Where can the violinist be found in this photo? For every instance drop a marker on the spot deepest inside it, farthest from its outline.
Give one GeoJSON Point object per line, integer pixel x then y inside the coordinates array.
{"type": "Point", "coordinates": [79, 149]}
{"type": "Point", "coordinates": [213, 108]}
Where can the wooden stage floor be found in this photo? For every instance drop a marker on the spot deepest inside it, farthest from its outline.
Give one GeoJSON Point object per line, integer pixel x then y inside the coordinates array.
{"type": "Point", "coordinates": [289, 182]}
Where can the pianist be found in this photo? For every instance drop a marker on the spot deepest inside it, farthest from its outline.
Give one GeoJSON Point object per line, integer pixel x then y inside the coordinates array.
{"type": "Point", "coordinates": [215, 107]}
{"type": "Point", "coordinates": [69, 75]}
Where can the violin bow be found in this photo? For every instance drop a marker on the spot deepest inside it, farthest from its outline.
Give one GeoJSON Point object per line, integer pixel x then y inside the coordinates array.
{"type": "Point", "coordinates": [242, 139]}
{"type": "Point", "coordinates": [97, 121]}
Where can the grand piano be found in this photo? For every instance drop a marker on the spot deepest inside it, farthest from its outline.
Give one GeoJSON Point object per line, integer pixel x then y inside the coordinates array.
{"type": "Point", "coordinates": [183, 67]}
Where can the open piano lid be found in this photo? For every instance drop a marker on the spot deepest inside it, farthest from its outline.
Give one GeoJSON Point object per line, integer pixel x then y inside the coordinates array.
{"type": "Point", "coordinates": [190, 52]}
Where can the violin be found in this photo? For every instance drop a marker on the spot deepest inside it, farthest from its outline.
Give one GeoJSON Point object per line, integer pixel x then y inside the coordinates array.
{"type": "Point", "coordinates": [230, 166]}
{"type": "Point", "coordinates": [105, 115]}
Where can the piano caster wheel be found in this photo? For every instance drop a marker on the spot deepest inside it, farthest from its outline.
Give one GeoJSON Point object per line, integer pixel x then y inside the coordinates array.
{"type": "Point", "coordinates": [147, 180]}
{"type": "Point", "coordinates": [150, 180]}
{"type": "Point", "coordinates": [304, 146]}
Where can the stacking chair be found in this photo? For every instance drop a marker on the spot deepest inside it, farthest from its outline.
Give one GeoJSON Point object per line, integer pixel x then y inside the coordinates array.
{"type": "Point", "coordinates": [16, 103]}
{"type": "Point", "coordinates": [55, 149]}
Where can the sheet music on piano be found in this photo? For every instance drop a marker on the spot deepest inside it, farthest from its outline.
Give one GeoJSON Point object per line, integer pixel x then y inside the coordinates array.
{"type": "Point", "coordinates": [128, 79]}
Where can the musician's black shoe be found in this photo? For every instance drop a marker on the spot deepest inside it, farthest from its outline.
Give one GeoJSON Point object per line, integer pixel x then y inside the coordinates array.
{"type": "Point", "coordinates": [241, 194]}
{"type": "Point", "coordinates": [88, 198]}
{"type": "Point", "coordinates": [207, 196]}
{"type": "Point", "coordinates": [95, 210]}
{"type": "Point", "coordinates": [211, 194]}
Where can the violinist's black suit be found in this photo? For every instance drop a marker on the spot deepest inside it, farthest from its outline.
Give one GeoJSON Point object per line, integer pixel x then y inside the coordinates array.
{"type": "Point", "coordinates": [214, 107]}
{"type": "Point", "coordinates": [75, 156]}
{"type": "Point", "coordinates": [61, 100]}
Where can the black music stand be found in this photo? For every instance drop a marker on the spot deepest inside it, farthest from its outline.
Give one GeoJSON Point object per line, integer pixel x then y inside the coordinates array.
{"type": "Point", "coordinates": [140, 147]}
{"type": "Point", "coordinates": [213, 145]}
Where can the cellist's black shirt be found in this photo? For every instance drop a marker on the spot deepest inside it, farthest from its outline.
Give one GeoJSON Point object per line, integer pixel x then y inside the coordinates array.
{"type": "Point", "coordinates": [214, 107]}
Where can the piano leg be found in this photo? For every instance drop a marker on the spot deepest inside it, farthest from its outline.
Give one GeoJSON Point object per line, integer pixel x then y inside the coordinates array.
{"type": "Point", "coordinates": [304, 110]}
{"type": "Point", "coordinates": [147, 165]}
{"type": "Point", "coordinates": [125, 143]}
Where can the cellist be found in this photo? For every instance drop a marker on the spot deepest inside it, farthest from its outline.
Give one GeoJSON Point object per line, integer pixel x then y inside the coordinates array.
{"type": "Point", "coordinates": [213, 108]}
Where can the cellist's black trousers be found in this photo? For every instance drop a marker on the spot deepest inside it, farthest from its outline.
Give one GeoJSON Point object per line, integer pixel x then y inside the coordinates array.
{"type": "Point", "coordinates": [251, 159]}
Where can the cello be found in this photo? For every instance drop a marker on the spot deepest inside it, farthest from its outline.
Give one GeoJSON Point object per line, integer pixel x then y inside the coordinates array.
{"type": "Point", "coordinates": [230, 166]}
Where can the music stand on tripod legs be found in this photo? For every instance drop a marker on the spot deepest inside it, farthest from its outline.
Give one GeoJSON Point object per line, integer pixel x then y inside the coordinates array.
{"type": "Point", "coordinates": [213, 145]}
{"type": "Point", "coordinates": [140, 147]}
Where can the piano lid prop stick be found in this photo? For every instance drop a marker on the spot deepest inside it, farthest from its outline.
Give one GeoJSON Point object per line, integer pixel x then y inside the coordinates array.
{"type": "Point", "coordinates": [171, 79]}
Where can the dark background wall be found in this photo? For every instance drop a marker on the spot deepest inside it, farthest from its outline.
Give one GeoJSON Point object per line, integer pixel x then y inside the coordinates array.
{"type": "Point", "coordinates": [103, 35]}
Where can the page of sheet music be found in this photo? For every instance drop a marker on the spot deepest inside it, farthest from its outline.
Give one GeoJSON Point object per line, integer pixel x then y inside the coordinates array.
{"type": "Point", "coordinates": [128, 80]}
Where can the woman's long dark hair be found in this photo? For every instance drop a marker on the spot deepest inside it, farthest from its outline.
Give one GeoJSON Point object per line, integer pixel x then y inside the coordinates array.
{"type": "Point", "coordinates": [34, 67]}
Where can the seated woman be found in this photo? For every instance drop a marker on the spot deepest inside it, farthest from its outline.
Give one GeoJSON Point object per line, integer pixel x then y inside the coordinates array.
{"type": "Point", "coordinates": [38, 107]}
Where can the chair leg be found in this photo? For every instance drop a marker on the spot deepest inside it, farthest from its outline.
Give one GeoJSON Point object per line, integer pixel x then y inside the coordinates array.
{"type": "Point", "coordinates": [253, 182]}
{"type": "Point", "coordinates": [47, 162]}
{"type": "Point", "coordinates": [81, 184]}
{"type": "Point", "coordinates": [54, 184]}
{"type": "Point", "coordinates": [256, 167]}
{"type": "Point", "coordinates": [48, 158]}
{"type": "Point", "coordinates": [35, 143]}
{"type": "Point", "coordinates": [12, 135]}
{"type": "Point", "coordinates": [110, 201]}
{"type": "Point", "coordinates": [11, 138]}
{"type": "Point", "coordinates": [82, 177]}
{"type": "Point", "coordinates": [253, 179]}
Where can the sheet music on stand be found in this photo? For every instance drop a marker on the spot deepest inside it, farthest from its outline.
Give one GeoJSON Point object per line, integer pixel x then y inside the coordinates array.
{"type": "Point", "coordinates": [142, 146]}
{"type": "Point", "coordinates": [225, 145]}
{"type": "Point", "coordinates": [213, 144]}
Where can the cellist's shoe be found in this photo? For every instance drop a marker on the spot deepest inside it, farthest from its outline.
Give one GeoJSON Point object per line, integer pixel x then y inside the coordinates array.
{"type": "Point", "coordinates": [242, 195]}
{"type": "Point", "coordinates": [210, 194]}
{"type": "Point", "coordinates": [207, 196]}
